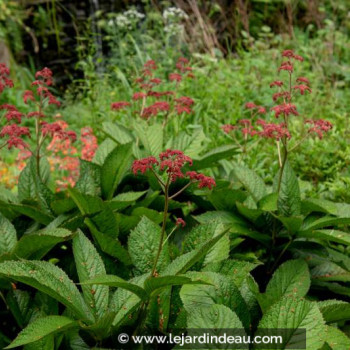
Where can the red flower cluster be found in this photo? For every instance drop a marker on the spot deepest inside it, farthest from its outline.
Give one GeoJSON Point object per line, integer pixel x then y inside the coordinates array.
{"type": "Point", "coordinates": [255, 108]}
{"type": "Point", "coordinates": [56, 130]}
{"type": "Point", "coordinates": [285, 109]}
{"type": "Point", "coordinates": [172, 161]}
{"type": "Point", "coordinates": [273, 131]}
{"type": "Point", "coordinates": [154, 102]}
{"type": "Point", "coordinates": [320, 126]}
{"type": "Point", "coordinates": [12, 132]}
{"type": "Point", "coordinates": [4, 78]}
{"type": "Point", "coordinates": [119, 105]}
{"type": "Point", "coordinates": [155, 109]}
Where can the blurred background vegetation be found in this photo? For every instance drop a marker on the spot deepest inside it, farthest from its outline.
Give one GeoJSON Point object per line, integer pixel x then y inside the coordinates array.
{"type": "Point", "coordinates": [97, 47]}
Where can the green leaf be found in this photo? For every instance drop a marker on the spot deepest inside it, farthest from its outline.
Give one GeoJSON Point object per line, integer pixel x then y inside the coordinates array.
{"type": "Point", "coordinates": [327, 235]}
{"type": "Point", "coordinates": [104, 149]}
{"type": "Point", "coordinates": [151, 137]}
{"type": "Point", "coordinates": [115, 166]}
{"type": "Point", "coordinates": [334, 310]}
{"type": "Point", "coordinates": [20, 304]}
{"type": "Point", "coordinates": [269, 202]}
{"type": "Point", "coordinates": [289, 201]}
{"type": "Point", "coordinates": [218, 290]}
{"type": "Point", "coordinates": [30, 211]}
{"type": "Point", "coordinates": [200, 234]}
{"type": "Point", "coordinates": [291, 316]}
{"type": "Point", "coordinates": [225, 198]}
{"type": "Point", "coordinates": [42, 327]}
{"type": "Point", "coordinates": [115, 281]}
{"type": "Point", "coordinates": [315, 223]}
{"type": "Point", "coordinates": [211, 158]}
{"type": "Point", "coordinates": [89, 179]}
{"type": "Point", "coordinates": [49, 279]}
{"type": "Point", "coordinates": [117, 132]}
{"type": "Point", "coordinates": [153, 284]}
{"type": "Point", "coordinates": [36, 245]}
{"type": "Point", "coordinates": [186, 261]}
{"type": "Point", "coordinates": [8, 235]}
{"type": "Point", "coordinates": [291, 279]}
{"type": "Point", "coordinates": [250, 181]}
{"type": "Point", "coordinates": [143, 245]}
{"type": "Point", "coordinates": [109, 245]}
{"type": "Point", "coordinates": [336, 339]}
{"type": "Point", "coordinates": [89, 264]}
{"type": "Point", "coordinates": [213, 317]}
{"type": "Point", "coordinates": [32, 185]}
{"type": "Point", "coordinates": [123, 200]}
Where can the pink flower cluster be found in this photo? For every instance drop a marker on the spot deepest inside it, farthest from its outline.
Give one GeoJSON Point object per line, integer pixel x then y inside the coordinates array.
{"type": "Point", "coordinates": [172, 162]}
{"type": "Point", "coordinates": [285, 107]}
{"type": "Point", "coordinates": [154, 102]}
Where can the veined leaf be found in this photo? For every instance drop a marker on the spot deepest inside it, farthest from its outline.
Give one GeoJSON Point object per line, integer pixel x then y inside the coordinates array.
{"type": "Point", "coordinates": [117, 132]}
{"type": "Point", "coordinates": [184, 262]}
{"type": "Point", "coordinates": [42, 327]}
{"type": "Point", "coordinates": [8, 235]}
{"type": "Point", "coordinates": [49, 279]}
{"type": "Point", "coordinates": [250, 180]}
{"type": "Point", "coordinates": [143, 246]}
{"type": "Point", "coordinates": [89, 264]}
{"type": "Point", "coordinates": [36, 245]}
{"type": "Point", "coordinates": [153, 284]}
{"type": "Point", "coordinates": [89, 179]}
{"type": "Point", "coordinates": [123, 200]}
{"type": "Point", "coordinates": [328, 235]}
{"type": "Point", "coordinates": [104, 149]}
{"type": "Point", "coordinates": [325, 221]}
{"type": "Point", "coordinates": [218, 290]}
{"type": "Point", "coordinates": [334, 310]}
{"type": "Point", "coordinates": [336, 339]}
{"type": "Point", "coordinates": [291, 279]}
{"type": "Point", "coordinates": [115, 281]}
{"type": "Point", "coordinates": [213, 317]}
{"type": "Point", "coordinates": [115, 166]}
{"type": "Point", "coordinates": [291, 316]}
{"type": "Point", "coordinates": [289, 201]}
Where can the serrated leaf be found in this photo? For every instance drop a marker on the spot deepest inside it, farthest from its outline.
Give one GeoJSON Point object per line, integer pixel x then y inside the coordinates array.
{"type": "Point", "coordinates": [291, 279]}
{"type": "Point", "coordinates": [89, 264]}
{"type": "Point", "coordinates": [213, 317]}
{"type": "Point", "coordinates": [104, 149]}
{"type": "Point", "coordinates": [218, 290]}
{"type": "Point", "coordinates": [8, 235]}
{"type": "Point", "coordinates": [184, 262]}
{"type": "Point", "coordinates": [151, 137]}
{"type": "Point", "coordinates": [250, 181]}
{"type": "Point", "coordinates": [125, 302]}
{"type": "Point", "coordinates": [291, 316]}
{"type": "Point", "coordinates": [289, 201]}
{"type": "Point", "coordinates": [336, 339]}
{"type": "Point", "coordinates": [334, 310]}
{"type": "Point", "coordinates": [37, 244]}
{"type": "Point", "coordinates": [89, 181]}
{"type": "Point", "coordinates": [42, 327]}
{"type": "Point", "coordinates": [123, 200]}
{"type": "Point", "coordinates": [153, 284]}
{"type": "Point", "coordinates": [115, 166]}
{"type": "Point", "coordinates": [269, 202]}
{"type": "Point", "coordinates": [49, 279]}
{"type": "Point", "coordinates": [315, 223]}
{"type": "Point", "coordinates": [143, 245]}
{"type": "Point", "coordinates": [20, 304]}
{"type": "Point", "coordinates": [115, 281]}
{"type": "Point", "coordinates": [327, 235]}
{"type": "Point", "coordinates": [117, 132]}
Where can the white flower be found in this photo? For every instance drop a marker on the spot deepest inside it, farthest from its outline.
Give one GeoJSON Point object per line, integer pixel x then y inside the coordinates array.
{"type": "Point", "coordinates": [174, 14]}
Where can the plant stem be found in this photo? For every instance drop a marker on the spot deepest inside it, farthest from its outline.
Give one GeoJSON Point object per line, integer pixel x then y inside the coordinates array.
{"type": "Point", "coordinates": [165, 213]}
{"type": "Point", "coordinates": [182, 189]}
